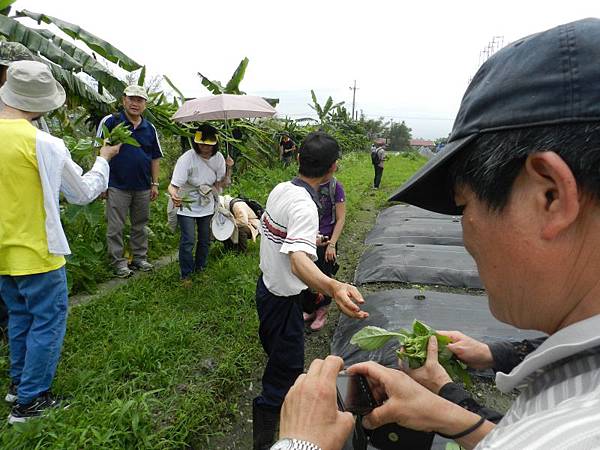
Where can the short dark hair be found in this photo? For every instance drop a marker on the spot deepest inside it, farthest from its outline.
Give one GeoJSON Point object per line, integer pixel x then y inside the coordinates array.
{"type": "Point", "coordinates": [490, 164]}
{"type": "Point", "coordinates": [317, 154]}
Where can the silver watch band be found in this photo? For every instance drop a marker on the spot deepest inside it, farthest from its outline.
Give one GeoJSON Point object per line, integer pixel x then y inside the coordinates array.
{"type": "Point", "coordinates": [298, 444]}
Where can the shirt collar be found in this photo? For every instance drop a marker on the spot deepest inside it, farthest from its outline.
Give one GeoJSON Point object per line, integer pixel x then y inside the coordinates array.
{"type": "Point", "coordinates": [573, 339]}
{"type": "Point", "coordinates": [124, 118]}
{"type": "Point", "coordinates": [313, 194]}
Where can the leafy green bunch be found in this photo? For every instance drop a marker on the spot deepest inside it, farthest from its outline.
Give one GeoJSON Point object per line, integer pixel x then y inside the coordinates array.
{"type": "Point", "coordinates": [186, 201]}
{"type": "Point", "coordinates": [413, 347]}
{"type": "Point", "coordinates": [120, 134]}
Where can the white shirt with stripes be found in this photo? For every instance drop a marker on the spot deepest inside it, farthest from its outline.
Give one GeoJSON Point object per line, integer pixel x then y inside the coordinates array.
{"type": "Point", "coordinates": [289, 224]}
{"type": "Point", "coordinates": [559, 404]}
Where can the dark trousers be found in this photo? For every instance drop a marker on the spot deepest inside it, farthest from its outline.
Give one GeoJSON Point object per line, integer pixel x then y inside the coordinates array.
{"type": "Point", "coordinates": [281, 333]}
{"type": "Point", "coordinates": [378, 175]}
{"type": "Point", "coordinates": [188, 263]}
{"type": "Point", "coordinates": [309, 298]}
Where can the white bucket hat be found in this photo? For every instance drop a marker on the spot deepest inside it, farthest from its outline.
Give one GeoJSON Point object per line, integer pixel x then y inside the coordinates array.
{"type": "Point", "coordinates": [30, 87]}
{"type": "Point", "coordinates": [222, 225]}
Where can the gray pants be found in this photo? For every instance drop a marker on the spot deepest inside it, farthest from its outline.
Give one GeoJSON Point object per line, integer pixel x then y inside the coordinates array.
{"type": "Point", "coordinates": [119, 202]}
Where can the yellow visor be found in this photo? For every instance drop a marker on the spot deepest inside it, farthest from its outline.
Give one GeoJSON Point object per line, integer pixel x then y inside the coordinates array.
{"type": "Point", "coordinates": [208, 140]}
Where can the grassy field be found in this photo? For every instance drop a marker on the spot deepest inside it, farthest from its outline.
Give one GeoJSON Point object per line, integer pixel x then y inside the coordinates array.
{"type": "Point", "coordinates": [154, 365]}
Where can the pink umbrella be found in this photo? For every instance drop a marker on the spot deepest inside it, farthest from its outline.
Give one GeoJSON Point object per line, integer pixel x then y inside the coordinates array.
{"type": "Point", "coordinates": [223, 107]}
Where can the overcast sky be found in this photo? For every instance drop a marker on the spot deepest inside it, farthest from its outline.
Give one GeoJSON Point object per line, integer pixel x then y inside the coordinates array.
{"type": "Point", "coordinates": [411, 61]}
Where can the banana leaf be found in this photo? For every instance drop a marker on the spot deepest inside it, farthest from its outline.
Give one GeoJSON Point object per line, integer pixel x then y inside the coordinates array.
{"type": "Point", "coordinates": [213, 86]}
{"type": "Point", "coordinates": [177, 91]}
{"type": "Point", "coordinates": [272, 101]}
{"type": "Point", "coordinates": [17, 32]}
{"type": "Point", "coordinates": [142, 76]}
{"type": "Point", "coordinates": [100, 46]}
{"type": "Point", "coordinates": [233, 85]}
{"type": "Point", "coordinates": [79, 93]}
{"type": "Point", "coordinates": [5, 4]}
{"type": "Point", "coordinates": [89, 64]}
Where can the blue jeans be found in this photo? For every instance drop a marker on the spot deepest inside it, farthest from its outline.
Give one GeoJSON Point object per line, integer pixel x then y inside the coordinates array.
{"type": "Point", "coordinates": [37, 321]}
{"type": "Point", "coordinates": [187, 262]}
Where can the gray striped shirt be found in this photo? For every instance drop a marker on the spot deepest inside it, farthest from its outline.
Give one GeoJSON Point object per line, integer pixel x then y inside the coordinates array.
{"type": "Point", "coordinates": [559, 404]}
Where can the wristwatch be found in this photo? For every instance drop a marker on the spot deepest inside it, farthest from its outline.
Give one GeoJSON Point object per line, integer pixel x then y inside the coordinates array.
{"type": "Point", "coordinates": [294, 444]}
{"type": "Point", "coordinates": [155, 184]}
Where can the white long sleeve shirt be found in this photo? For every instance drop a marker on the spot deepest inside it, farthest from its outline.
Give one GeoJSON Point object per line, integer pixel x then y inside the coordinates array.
{"type": "Point", "coordinates": [58, 173]}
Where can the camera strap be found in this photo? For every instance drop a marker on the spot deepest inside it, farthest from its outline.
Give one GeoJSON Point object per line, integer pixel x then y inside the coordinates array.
{"type": "Point", "coordinates": [359, 438]}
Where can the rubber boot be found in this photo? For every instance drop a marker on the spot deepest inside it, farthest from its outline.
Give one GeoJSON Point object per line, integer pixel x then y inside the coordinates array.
{"type": "Point", "coordinates": [264, 426]}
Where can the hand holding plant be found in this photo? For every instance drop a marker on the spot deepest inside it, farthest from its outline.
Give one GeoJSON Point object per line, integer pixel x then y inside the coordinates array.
{"type": "Point", "coordinates": [473, 353]}
{"type": "Point", "coordinates": [109, 151]}
{"type": "Point", "coordinates": [413, 348]}
{"type": "Point", "coordinates": [120, 134]}
{"type": "Point", "coordinates": [431, 375]}
{"type": "Point", "coordinates": [181, 202]}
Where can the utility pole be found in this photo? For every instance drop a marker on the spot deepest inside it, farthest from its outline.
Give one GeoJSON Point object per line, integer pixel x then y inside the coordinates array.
{"type": "Point", "coordinates": [353, 89]}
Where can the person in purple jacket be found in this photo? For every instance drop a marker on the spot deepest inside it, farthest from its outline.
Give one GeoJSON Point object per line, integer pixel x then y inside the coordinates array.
{"type": "Point", "coordinates": [332, 217]}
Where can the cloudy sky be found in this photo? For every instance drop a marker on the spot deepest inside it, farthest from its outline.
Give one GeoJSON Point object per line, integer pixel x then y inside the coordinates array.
{"type": "Point", "coordinates": [411, 61]}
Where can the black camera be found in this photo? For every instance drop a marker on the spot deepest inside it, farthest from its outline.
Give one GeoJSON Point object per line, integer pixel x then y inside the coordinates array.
{"type": "Point", "coordinates": [354, 394]}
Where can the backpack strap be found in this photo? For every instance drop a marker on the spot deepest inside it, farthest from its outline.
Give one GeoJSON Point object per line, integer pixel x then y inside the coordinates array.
{"type": "Point", "coordinates": [332, 189]}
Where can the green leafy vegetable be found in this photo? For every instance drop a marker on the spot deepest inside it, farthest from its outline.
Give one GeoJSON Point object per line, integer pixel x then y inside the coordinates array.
{"type": "Point", "coordinates": [120, 134]}
{"type": "Point", "coordinates": [186, 201]}
{"type": "Point", "coordinates": [413, 347]}
{"type": "Point", "coordinates": [372, 338]}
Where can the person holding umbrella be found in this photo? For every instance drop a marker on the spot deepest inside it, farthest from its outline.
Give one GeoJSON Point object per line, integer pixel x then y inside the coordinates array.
{"type": "Point", "coordinates": [199, 176]}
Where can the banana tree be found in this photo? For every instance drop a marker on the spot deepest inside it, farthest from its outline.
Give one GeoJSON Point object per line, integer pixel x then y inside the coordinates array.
{"type": "Point", "coordinates": [323, 112]}
{"type": "Point", "coordinates": [100, 90]}
{"type": "Point", "coordinates": [233, 85]}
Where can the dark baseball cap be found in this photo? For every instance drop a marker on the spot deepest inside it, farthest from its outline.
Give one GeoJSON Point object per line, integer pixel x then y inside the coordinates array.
{"type": "Point", "coordinates": [548, 78]}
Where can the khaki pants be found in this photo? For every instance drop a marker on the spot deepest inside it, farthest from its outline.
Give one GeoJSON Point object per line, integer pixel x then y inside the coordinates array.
{"type": "Point", "coordinates": [118, 204]}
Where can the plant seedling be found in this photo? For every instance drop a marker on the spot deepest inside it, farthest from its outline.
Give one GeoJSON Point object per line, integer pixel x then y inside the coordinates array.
{"type": "Point", "coordinates": [186, 201]}
{"type": "Point", "coordinates": [118, 135]}
{"type": "Point", "coordinates": [413, 347]}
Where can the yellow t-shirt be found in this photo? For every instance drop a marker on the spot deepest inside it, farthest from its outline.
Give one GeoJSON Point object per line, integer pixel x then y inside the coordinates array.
{"type": "Point", "coordinates": [23, 240]}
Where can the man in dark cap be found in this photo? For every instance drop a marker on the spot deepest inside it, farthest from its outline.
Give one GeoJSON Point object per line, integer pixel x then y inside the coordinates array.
{"type": "Point", "coordinates": [521, 166]}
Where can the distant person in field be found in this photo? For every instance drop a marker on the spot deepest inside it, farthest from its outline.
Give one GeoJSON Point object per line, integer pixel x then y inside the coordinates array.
{"type": "Point", "coordinates": [287, 147]}
{"type": "Point", "coordinates": [378, 159]}
{"type": "Point", "coordinates": [332, 217]}
{"type": "Point", "coordinates": [134, 181]}
{"type": "Point", "coordinates": [35, 168]}
{"type": "Point", "coordinates": [288, 249]}
{"type": "Point", "coordinates": [199, 176]}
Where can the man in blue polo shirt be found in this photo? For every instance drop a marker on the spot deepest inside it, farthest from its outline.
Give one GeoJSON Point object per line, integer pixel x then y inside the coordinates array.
{"type": "Point", "coordinates": [133, 183]}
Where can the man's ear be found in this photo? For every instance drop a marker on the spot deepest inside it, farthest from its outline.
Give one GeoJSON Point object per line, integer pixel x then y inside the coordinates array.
{"type": "Point", "coordinates": [555, 190]}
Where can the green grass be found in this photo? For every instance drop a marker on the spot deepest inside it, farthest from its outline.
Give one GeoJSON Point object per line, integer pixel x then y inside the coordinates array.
{"type": "Point", "coordinates": [154, 365]}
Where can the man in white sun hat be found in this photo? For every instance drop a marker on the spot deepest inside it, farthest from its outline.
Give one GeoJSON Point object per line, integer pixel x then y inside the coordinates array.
{"type": "Point", "coordinates": [34, 168]}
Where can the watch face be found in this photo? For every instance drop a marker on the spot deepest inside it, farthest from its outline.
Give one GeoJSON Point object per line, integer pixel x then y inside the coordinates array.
{"type": "Point", "coordinates": [283, 444]}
